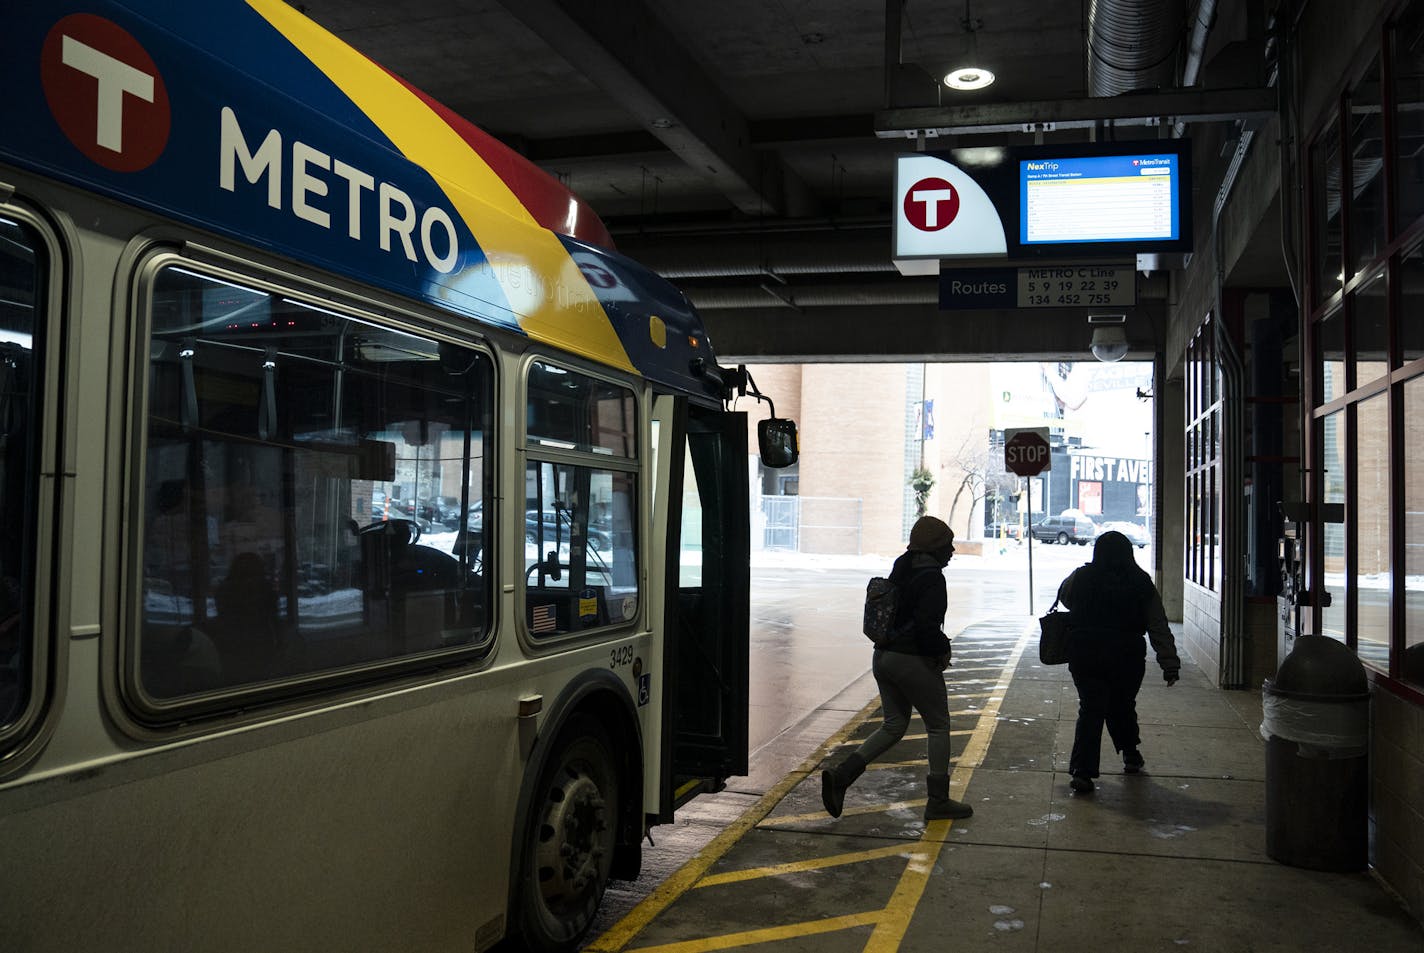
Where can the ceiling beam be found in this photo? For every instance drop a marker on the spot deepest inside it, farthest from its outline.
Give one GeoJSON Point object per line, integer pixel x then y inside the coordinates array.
{"type": "Point", "coordinates": [1144, 109]}
{"type": "Point", "coordinates": [623, 49]}
{"type": "Point", "coordinates": [918, 333]}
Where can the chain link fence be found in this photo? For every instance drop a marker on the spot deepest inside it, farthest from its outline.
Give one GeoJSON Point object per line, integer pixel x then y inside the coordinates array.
{"type": "Point", "coordinates": [812, 524]}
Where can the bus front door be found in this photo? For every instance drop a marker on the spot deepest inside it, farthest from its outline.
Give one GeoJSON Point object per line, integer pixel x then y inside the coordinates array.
{"type": "Point", "coordinates": [707, 610]}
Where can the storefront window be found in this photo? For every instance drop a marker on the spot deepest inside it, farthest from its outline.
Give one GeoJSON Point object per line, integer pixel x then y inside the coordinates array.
{"type": "Point", "coordinates": [1325, 186]}
{"type": "Point", "coordinates": [1202, 559]}
{"type": "Point", "coordinates": [1411, 305]}
{"type": "Point", "coordinates": [1407, 67]}
{"type": "Point", "coordinates": [1371, 529]}
{"type": "Point", "coordinates": [1367, 195]}
{"type": "Point", "coordinates": [1330, 345]}
{"type": "Point", "coordinates": [1333, 476]}
{"type": "Point", "coordinates": [1412, 526]}
{"type": "Point", "coordinates": [1370, 329]}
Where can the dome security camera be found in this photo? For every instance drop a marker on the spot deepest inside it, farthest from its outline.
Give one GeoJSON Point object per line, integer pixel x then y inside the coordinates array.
{"type": "Point", "coordinates": [1109, 344]}
{"type": "Point", "coordinates": [1109, 341]}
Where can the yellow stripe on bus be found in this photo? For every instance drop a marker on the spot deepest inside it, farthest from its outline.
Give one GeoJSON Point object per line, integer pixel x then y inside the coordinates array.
{"type": "Point", "coordinates": [559, 308]}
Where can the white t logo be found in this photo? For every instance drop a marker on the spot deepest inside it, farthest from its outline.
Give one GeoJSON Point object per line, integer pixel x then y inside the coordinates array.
{"type": "Point", "coordinates": [115, 78]}
{"type": "Point", "coordinates": [930, 199]}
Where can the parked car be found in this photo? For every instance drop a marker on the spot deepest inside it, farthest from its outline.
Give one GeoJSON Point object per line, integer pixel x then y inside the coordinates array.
{"type": "Point", "coordinates": [1066, 529]}
{"type": "Point", "coordinates": [1135, 533]}
{"type": "Point", "coordinates": [1005, 530]}
{"type": "Point", "coordinates": [556, 526]}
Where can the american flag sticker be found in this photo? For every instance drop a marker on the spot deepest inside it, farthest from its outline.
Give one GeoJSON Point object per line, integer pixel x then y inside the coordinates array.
{"type": "Point", "coordinates": [542, 619]}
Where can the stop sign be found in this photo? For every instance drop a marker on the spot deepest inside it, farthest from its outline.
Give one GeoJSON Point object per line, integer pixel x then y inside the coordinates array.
{"type": "Point", "coordinates": [1026, 451]}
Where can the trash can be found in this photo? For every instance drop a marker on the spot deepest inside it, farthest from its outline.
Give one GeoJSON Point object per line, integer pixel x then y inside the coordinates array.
{"type": "Point", "coordinates": [1316, 722]}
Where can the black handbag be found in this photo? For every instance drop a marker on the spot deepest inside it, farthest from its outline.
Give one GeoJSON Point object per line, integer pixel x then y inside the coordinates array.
{"type": "Point", "coordinates": [1053, 636]}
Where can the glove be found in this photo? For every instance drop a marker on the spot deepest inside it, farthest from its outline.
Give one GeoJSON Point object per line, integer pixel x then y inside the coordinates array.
{"type": "Point", "coordinates": [1170, 677]}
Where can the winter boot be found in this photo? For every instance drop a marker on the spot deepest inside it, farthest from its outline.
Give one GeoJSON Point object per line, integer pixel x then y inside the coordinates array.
{"type": "Point", "coordinates": [835, 781]}
{"type": "Point", "coordinates": [940, 806]}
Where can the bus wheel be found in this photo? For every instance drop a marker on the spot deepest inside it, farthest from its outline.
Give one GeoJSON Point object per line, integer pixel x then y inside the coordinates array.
{"type": "Point", "coordinates": [568, 849]}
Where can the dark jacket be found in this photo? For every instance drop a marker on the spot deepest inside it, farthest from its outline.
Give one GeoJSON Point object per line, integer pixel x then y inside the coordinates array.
{"type": "Point", "coordinates": [1111, 607]}
{"type": "Point", "coordinates": [920, 606]}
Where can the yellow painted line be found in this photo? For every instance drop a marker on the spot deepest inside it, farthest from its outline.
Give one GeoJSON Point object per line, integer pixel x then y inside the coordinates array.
{"type": "Point", "coordinates": [911, 763]}
{"type": "Point", "coordinates": [800, 866]}
{"type": "Point", "coordinates": [767, 935]}
{"type": "Point", "coordinates": [677, 795]}
{"type": "Point", "coordinates": [890, 923]}
{"type": "Point", "coordinates": [890, 931]}
{"type": "Point", "coordinates": [686, 876]}
{"type": "Point", "coordinates": [920, 737]}
{"type": "Point", "coordinates": [882, 808]}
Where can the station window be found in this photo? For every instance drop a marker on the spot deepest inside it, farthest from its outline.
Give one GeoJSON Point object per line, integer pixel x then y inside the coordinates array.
{"type": "Point", "coordinates": [1333, 478]}
{"type": "Point", "coordinates": [1369, 578]}
{"type": "Point", "coordinates": [1413, 529]}
{"type": "Point", "coordinates": [1202, 558]}
{"type": "Point", "coordinates": [1369, 322]}
{"type": "Point", "coordinates": [1326, 232]}
{"type": "Point", "coordinates": [24, 276]}
{"type": "Point", "coordinates": [581, 503]}
{"type": "Point", "coordinates": [1407, 66]}
{"type": "Point", "coordinates": [1363, 391]}
{"type": "Point", "coordinates": [312, 495]}
{"type": "Point", "coordinates": [1367, 193]}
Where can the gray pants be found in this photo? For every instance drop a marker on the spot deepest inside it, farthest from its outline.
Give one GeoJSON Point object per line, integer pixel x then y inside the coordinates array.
{"type": "Point", "coordinates": [910, 681]}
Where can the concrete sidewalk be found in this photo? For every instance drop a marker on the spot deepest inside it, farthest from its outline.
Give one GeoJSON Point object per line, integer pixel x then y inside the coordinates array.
{"type": "Point", "coordinates": [1171, 859]}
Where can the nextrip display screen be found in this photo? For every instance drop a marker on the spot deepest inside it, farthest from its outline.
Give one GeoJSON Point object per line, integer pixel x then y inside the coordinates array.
{"type": "Point", "coordinates": [1094, 199]}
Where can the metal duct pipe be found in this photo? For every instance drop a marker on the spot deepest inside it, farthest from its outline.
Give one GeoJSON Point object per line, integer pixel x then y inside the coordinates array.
{"type": "Point", "coordinates": [1196, 50]}
{"type": "Point", "coordinates": [1132, 44]}
{"type": "Point", "coordinates": [710, 299]}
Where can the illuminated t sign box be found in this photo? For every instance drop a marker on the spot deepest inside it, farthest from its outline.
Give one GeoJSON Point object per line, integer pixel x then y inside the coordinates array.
{"type": "Point", "coordinates": [1081, 200]}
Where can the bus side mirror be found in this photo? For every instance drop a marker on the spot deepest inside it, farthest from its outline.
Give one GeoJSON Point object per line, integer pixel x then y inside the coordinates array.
{"type": "Point", "coordinates": [776, 439]}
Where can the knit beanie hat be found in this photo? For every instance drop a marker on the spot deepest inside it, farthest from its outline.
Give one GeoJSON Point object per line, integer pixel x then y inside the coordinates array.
{"type": "Point", "coordinates": [930, 535]}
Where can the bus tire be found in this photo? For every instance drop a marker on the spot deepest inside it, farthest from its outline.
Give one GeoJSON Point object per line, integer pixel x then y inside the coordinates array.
{"type": "Point", "coordinates": [568, 845]}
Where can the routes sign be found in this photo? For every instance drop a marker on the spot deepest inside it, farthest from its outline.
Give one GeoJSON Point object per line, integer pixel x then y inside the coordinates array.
{"type": "Point", "coordinates": [1061, 286]}
{"type": "Point", "coordinates": [1026, 451]}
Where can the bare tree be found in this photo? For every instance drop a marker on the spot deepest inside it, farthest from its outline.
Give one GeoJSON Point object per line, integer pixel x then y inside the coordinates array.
{"type": "Point", "coordinates": [981, 472]}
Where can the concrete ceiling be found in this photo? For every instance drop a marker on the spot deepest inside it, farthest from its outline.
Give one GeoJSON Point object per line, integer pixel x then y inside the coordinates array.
{"type": "Point", "coordinates": [733, 145]}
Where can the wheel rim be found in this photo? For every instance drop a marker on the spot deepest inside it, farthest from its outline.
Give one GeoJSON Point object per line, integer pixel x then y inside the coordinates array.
{"type": "Point", "coordinates": [1063, 538]}
{"type": "Point", "coordinates": [570, 845]}
{"type": "Point", "coordinates": [573, 840]}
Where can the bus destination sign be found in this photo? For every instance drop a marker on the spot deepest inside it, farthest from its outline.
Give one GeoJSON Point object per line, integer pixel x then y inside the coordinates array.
{"type": "Point", "coordinates": [1059, 286]}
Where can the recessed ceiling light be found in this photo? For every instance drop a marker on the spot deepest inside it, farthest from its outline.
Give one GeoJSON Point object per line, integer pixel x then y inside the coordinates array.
{"type": "Point", "coordinates": [968, 77]}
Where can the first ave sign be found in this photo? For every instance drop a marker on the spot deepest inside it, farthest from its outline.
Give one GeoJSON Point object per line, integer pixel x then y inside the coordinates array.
{"type": "Point", "coordinates": [1026, 451]}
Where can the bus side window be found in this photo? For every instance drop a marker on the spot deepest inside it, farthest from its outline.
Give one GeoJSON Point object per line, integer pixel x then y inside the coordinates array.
{"type": "Point", "coordinates": [580, 552]}
{"type": "Point", "coordinates": [313, 494]}
{"type": "Point", "coordinates": [24, 264]}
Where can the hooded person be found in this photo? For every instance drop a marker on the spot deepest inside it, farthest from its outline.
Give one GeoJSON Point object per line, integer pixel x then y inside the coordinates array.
{"type": "Point", "coordinates": [1111, 602]}
{"type": "Point", "coordinates": [909, 666]}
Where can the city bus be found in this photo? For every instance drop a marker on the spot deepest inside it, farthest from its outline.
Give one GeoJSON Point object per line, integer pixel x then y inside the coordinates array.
{"type": "Point", "coordinates": [376, 572]}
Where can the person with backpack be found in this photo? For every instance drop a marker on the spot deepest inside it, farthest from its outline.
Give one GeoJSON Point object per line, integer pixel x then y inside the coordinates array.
{"type": "Point", "coordinates": [909, 663]}
{"type": "Point", "coordinates": [1111, 602]}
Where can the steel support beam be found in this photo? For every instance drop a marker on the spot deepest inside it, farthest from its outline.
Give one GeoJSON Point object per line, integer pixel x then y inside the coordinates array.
{"type": "Point", "coordinates": [623, 49]}
{"type": "Point", "coordinates": [917, 333]}
{"type": "Point", "coordinates": [1146, 109]}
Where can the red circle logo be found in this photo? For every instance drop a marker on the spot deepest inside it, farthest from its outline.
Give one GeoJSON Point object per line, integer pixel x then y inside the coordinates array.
{"type": "Point", "coordinates": [105, 93]}
{"type": "Point", "coordinates": [931, 204]}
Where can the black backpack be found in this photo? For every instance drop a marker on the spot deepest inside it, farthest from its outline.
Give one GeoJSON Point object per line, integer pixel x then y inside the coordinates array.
{"type": "Point", "coordinates": [881, 599]}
